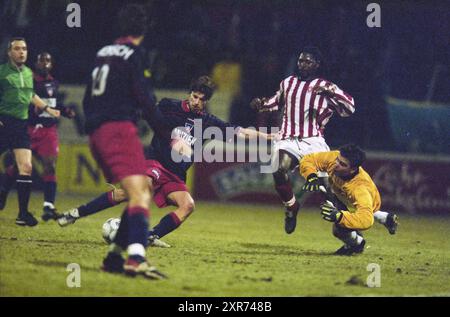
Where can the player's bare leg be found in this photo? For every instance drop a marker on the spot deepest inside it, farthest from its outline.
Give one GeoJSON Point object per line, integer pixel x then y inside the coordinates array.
{"type": "Point", "coordinates": [24, 182]}
{"type": "Point", "coordinates": [185, 203]}
{"type": "Point", "coordinates": [286, 162]}
{"type": "Point", "coordinates": [119, 195]}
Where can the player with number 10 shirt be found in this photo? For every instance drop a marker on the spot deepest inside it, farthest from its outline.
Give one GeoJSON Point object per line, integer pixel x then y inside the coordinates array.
{"type": "Point", "coordinates": [116, 94]}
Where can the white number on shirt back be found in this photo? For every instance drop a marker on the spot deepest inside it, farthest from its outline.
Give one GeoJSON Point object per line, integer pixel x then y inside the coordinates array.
{"type": "Point", "coordinates": [99, 77]}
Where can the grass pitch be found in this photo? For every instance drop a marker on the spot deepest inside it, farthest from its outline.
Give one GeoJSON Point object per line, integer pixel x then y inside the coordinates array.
{"type": "Point", "coordinates": [226, 250]}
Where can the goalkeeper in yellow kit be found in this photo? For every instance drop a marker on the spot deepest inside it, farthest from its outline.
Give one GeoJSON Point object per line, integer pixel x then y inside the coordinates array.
{"type": "Point", "coordinates": [355, 198]}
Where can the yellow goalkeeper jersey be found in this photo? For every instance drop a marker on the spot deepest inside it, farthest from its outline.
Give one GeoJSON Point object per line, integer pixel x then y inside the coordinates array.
{"type": "Point", "coordinates": [359, 194]}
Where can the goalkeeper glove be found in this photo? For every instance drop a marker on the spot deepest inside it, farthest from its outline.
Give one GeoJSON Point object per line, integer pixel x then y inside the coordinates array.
{"type": "Point", "coordinates": [330, 213]}
{"type": "Point", "coordinates": [312, 183]}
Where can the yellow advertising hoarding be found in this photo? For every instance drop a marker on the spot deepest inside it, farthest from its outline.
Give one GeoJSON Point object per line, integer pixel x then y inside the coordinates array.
{"type": "Point", "coordinates": [78, 172]}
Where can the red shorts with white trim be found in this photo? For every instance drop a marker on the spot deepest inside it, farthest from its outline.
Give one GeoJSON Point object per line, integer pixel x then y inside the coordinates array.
{"type": "Point", "coordinates": [164, 183]}
{"type": "Point", "coordinates": [44, 141]}
{"type": "Point", "coordinates": [118, 150]}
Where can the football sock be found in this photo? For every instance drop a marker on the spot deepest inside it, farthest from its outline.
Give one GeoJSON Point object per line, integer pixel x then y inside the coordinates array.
{"type": "Point", "coordinates": [166, 225]}
{"type": "Point", "coordinates": [136, 249]}
{"type": "Point", "coordinates": [24, 183]}
{"type": "Point", "coordinates": [285, 192]}
{"type": "Point", "coordinates": [49, 190]}
{"type": "Point", "coordinates": [292, 206]}
{"type": "Point", "coordinates": [10, 177]}
{"type": "Point", "coordinates": [137, 226]}
{"type": "Point", "coordinates": [350, 238]}
{"type": "Point", "coordinates": [100, 203]}
{"type": "Point", "coordinates": [49, 204]}
{"type": "Point", "coordinates": [121, 238]}
{"type": "Point", "coordinates": [8, 182]}
{"type": "Point", "coordinates": [3, 196]}
{"type": "Point", "coordinates": [356, 238]}
{"type": "Point", "coordinates": [380, 216]}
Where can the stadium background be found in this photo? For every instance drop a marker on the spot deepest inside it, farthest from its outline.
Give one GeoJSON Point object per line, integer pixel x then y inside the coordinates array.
{"type": "Point", "coordinates": [398, 74]}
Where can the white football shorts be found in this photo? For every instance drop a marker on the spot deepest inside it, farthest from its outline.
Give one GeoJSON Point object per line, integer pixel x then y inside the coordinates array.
{"type": "Point", "coordinates": [299, 147]}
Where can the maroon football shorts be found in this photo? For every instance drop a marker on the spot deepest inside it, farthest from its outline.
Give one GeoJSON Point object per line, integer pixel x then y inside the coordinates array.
{"type": "Point", "coordinates": [164, 183]}
{"type": "Point", "coordinates": [44, 141]}
{"type": "Point", "coordinates": [118, 150]}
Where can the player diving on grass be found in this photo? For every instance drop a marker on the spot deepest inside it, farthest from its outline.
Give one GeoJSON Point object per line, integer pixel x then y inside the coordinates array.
{"type": "Point", "coordinates": [308, 102]}
{"type": "Point", "coordinates": [165, 176]}
{"type": "Point", "coordinates": [354, 199]}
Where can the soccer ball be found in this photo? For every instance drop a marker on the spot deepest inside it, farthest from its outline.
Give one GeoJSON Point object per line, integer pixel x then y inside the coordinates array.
{"type": "Point", "coordinates": [109, 229]}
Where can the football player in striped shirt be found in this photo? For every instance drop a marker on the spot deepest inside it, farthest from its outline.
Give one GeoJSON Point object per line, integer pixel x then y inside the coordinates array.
{"type": "Point", "coordinates": [307, 102]}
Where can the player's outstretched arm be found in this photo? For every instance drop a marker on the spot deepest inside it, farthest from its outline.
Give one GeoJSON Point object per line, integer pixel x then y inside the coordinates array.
{"type": "Point", "coordinates": [253, 134]}
{"type": "Point", "coordinates": [257, 103]}
{"type": "Point", "coordinates": [342, 102]}
{"type": "Point", "coordinates": [269, 104]}
{"type": "Point", "coordinates": [181, 147]}
{"type": "Point", "coordinates": [42, 106]}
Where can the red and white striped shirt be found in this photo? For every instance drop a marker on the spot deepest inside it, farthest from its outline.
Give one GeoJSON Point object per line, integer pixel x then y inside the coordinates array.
{"type": "Point", "coordinates": [305, 112]}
